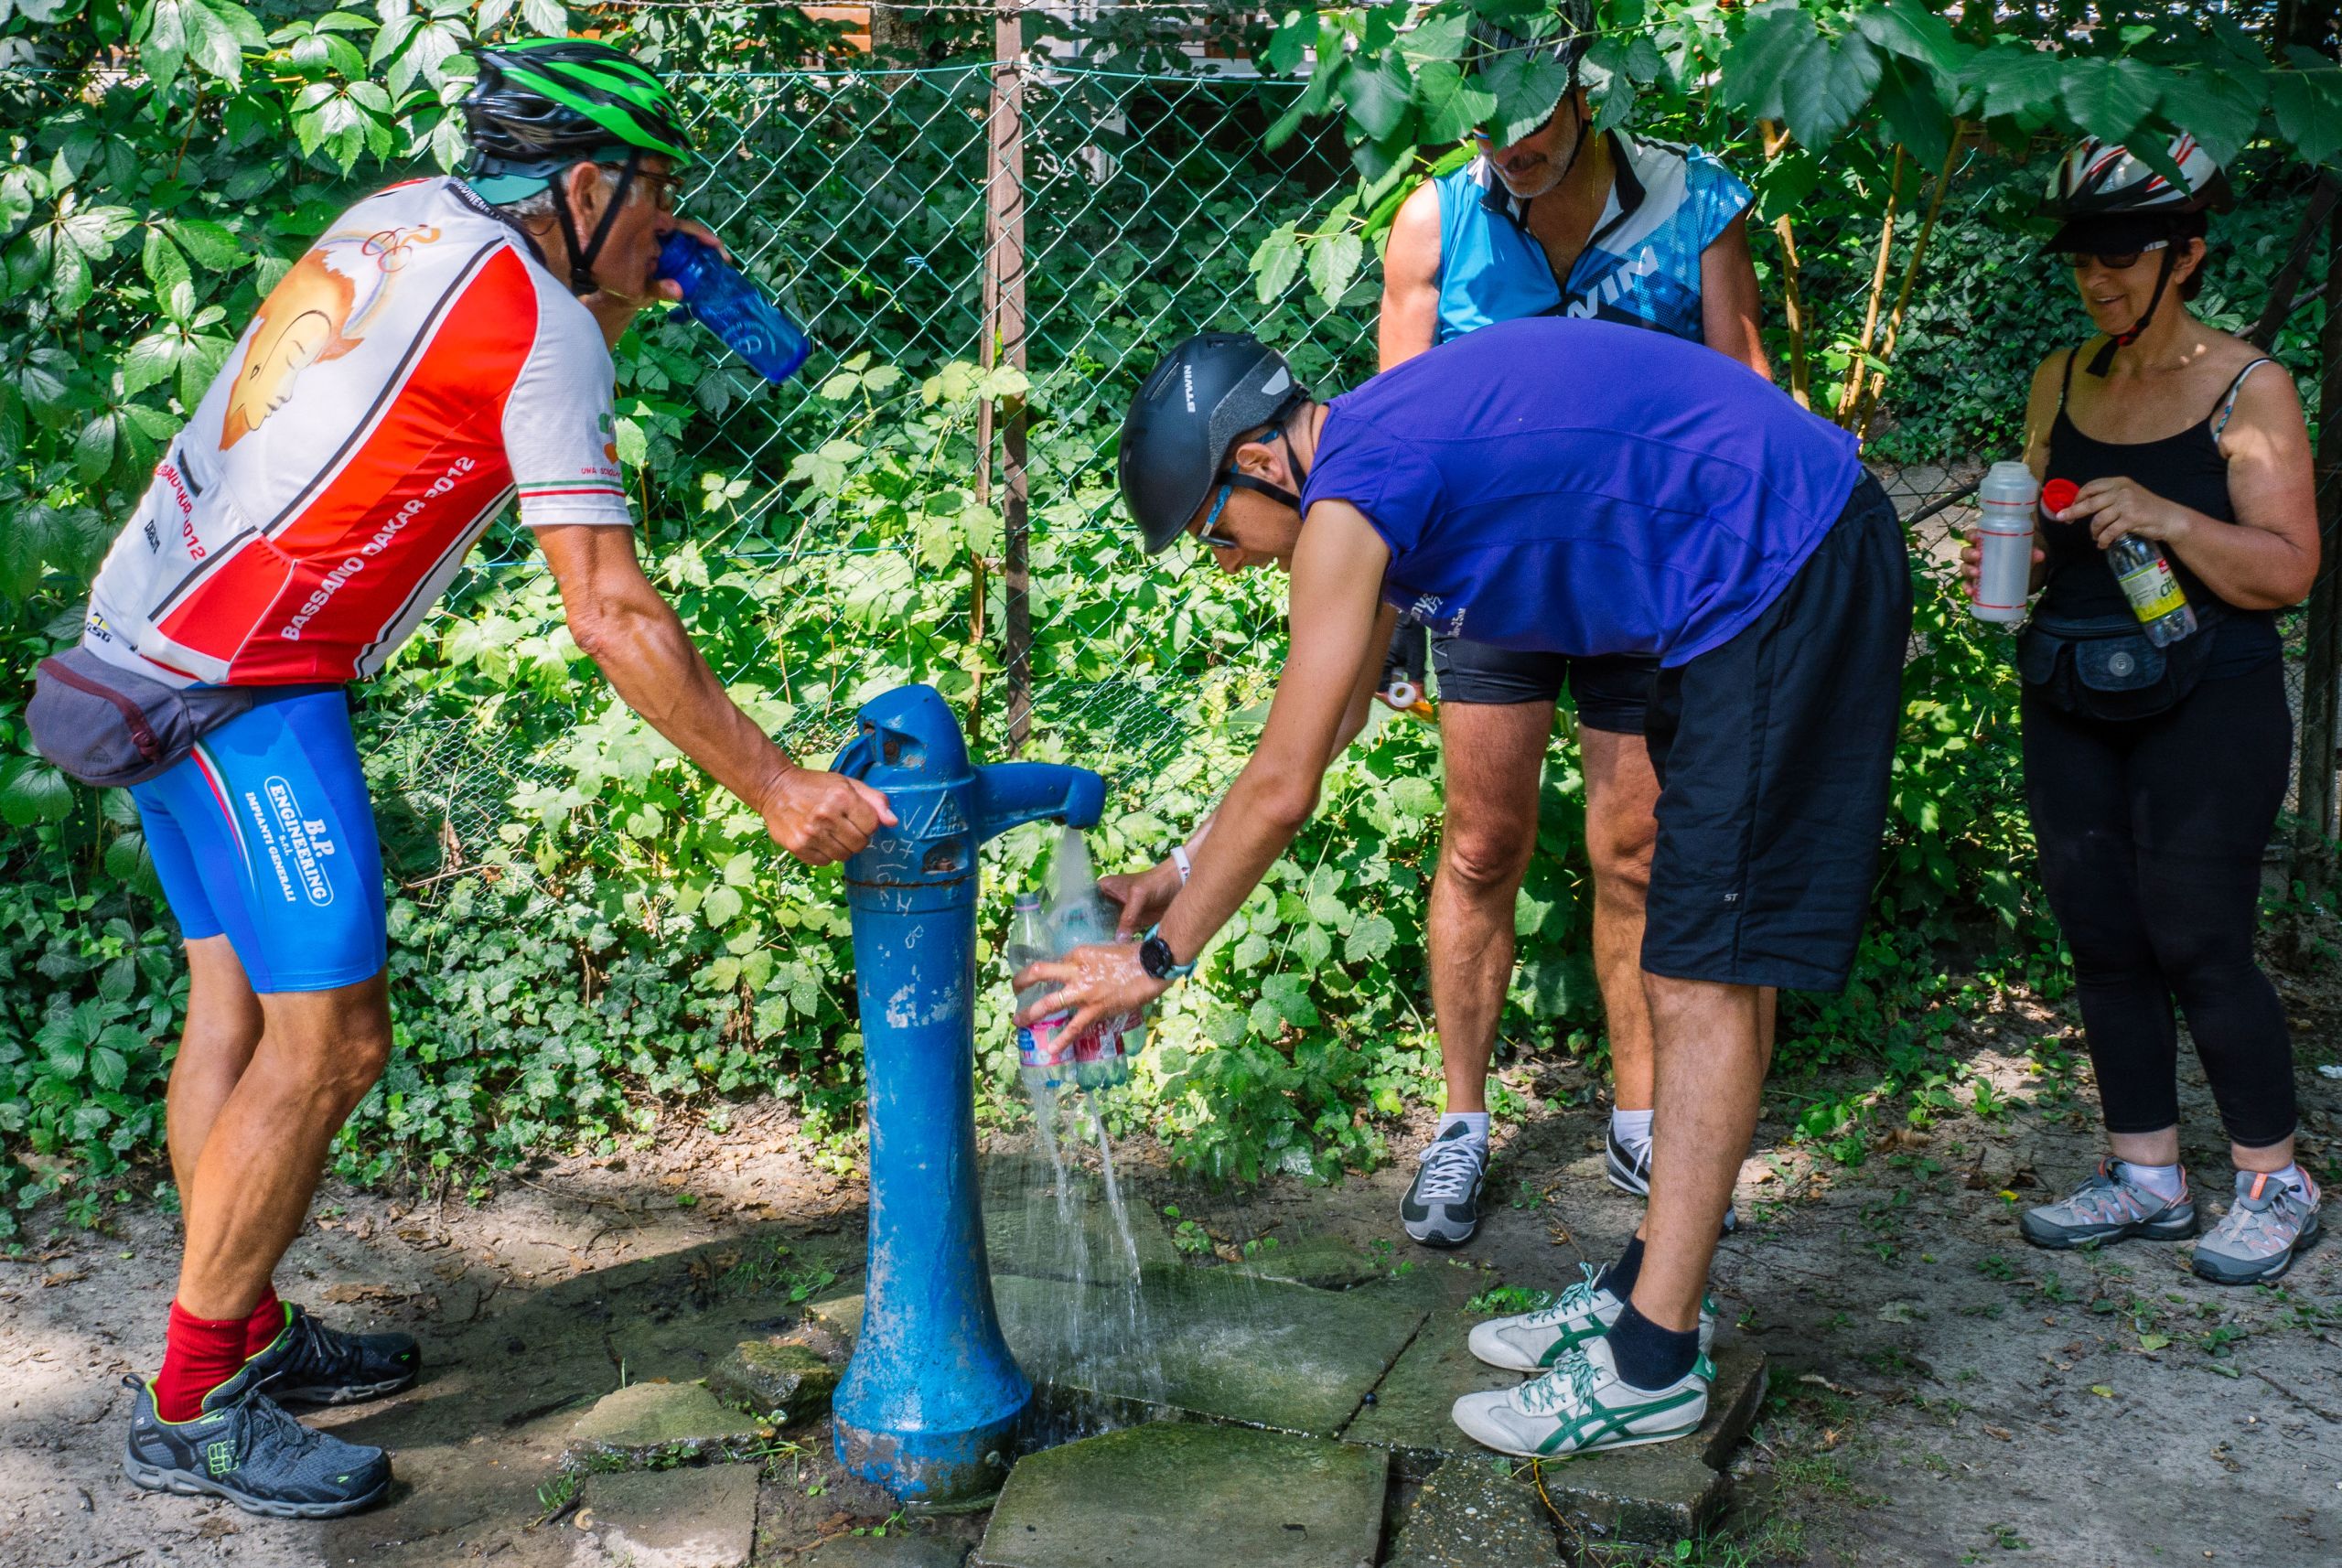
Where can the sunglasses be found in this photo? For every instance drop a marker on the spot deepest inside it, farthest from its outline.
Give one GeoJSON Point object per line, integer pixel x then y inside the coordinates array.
{"type": "Point", "coordinates": [1204, 536]}
{"type": "Point", "coordinates": [2113, 260]}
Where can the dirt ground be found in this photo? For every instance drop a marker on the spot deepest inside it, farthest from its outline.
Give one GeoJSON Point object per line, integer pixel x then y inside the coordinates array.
{"type": "Point", "coordinates": [1943, 1394]}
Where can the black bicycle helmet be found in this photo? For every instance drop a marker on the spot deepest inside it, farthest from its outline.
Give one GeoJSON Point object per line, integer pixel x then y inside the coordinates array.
{"type": "Point", "coordinates": [2108, 200]}
{"type": "Point", "coordinates": [1186, 417]}
{"type": "Point", "coordinates": [540, 105]}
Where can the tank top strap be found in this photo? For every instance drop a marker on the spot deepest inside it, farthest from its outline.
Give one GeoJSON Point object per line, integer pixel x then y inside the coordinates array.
{"type": "Point", "coordinates": [2228, 398]}
{"type": "Point", "coordinates": [2066, 380]}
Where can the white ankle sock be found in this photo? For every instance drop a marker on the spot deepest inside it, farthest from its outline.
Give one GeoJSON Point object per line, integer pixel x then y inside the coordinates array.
{"type": "Point", "coordinates": [2292, 1176]}
{"type": "Point", "coordinates": [1632, 1127]}
{"type": "Point", "coordinates": [2165, 1181]}
{"type": "Point", "coordinates": [1473, 1123]}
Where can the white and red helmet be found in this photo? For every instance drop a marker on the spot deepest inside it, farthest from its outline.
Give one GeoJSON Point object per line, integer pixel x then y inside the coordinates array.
{"type": "Point", "coordinates": [2098, 179]}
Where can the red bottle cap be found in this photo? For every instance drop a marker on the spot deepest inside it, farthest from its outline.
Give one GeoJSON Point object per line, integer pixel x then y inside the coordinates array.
{"type": "Point", "coordinates": [2057, 495]}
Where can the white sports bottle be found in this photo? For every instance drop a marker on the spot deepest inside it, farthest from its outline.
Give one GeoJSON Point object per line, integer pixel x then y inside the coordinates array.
{"type": "Point", "coordinates": [2005, 504]}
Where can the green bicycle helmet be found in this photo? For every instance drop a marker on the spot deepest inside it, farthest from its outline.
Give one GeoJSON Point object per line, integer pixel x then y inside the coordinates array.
{"type": "Point", "coordinates": [540, 105]}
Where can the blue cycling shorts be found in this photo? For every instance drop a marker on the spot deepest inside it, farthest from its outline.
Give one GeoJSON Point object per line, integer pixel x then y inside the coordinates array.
{"type": "Point", "coordinates": [265, 833]}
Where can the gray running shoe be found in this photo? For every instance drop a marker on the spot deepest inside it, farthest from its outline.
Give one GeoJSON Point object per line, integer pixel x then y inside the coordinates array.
{"type": "Point", "coordinates": [244, 1448]}
{"type": "Point", "coordinates": [309, 1363]}
{"type": "Point", "coordinates": [1442, 1207]}
{"type": "Point", "coordinates": [2258, 1239]}
{"type": "Point", "coordinates": [1628, 1170]}
{"type": "Point", "coordinates": [2109, 1207]}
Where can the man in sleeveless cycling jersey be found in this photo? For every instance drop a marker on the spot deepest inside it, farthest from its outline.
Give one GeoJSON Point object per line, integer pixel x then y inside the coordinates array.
{"type": "Point", "coordinates": [442, 348]}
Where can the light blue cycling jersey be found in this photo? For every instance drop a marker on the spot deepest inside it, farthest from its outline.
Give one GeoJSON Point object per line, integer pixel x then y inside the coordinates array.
{"type": "Point", "coordinates": [1641, 266]}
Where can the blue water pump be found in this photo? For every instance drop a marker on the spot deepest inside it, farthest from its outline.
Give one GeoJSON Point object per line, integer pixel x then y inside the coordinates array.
{"type": "Point", "coordinates": [930, 1401]}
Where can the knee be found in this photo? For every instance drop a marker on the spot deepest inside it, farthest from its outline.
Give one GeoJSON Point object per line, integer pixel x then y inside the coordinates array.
{"type": "Point", "coordinates": [1485, 859]}
{"type": "Point", "coordinates": [340, 1068]}
{"type": "Point", "coordinates": [1619, 847]}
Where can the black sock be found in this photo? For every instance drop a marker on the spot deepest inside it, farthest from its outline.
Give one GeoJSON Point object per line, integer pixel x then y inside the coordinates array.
{"type": "Point", "coordinates": [1648, 1356]}
{"type": "Point", "coordinates": [1620, 1278]}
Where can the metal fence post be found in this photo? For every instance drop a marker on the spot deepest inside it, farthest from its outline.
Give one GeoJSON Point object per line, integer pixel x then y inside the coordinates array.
{"type": "Point", "coordinates": [1003, 343]}
{"type": "Point", "coordinates": [2322, 650]}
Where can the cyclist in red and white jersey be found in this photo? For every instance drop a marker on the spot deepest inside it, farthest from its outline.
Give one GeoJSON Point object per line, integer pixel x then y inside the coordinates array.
{"type": "Point", "coordinates": [442, 348]}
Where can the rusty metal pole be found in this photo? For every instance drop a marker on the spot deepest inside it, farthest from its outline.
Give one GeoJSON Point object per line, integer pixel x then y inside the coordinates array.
{"type": "Point", "coordinates": [2322, 650]}
{"type": "Point", "coordinates": [1005, 345]}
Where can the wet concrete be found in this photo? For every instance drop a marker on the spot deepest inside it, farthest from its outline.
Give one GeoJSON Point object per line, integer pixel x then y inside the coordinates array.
{"type": "Point", "coordinates": [1468, 1515]}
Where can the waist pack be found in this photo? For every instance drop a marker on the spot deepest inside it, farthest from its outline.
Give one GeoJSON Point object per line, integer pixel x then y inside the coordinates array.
{"type": "Point", "coordinates": [113, 727]}
{"type": "Point", "coordinates": [2104, 667]}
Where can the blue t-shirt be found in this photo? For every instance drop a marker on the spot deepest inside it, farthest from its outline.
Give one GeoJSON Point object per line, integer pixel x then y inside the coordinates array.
{"type": "Point", "coordinates": [1581, 487]}
{"type": "Point", "coordinates": [1641, 266]}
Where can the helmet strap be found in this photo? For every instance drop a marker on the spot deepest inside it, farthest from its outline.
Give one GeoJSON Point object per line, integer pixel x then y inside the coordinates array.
{"type": "Point", "coordinates": [2103, 361]}
{"type": "Point", "coordinates": [581, 258]}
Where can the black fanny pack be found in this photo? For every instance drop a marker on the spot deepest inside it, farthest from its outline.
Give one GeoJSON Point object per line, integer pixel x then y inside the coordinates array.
{"type": "Point", "coordinates": [113, 727]}
{"type": "Point", "coordinates": [2104, 667]}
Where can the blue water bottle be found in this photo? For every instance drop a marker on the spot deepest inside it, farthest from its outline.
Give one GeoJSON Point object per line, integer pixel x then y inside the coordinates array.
{"type": "Point", "coordinates": [729, 306]}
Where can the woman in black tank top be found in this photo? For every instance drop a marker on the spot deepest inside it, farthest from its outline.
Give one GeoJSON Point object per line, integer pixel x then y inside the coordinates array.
{"type": "Point", "coordinates": [2152, 830]}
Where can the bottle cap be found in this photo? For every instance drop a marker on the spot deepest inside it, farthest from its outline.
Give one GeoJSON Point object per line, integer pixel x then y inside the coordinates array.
{"type": "Point", "coordinates": [2057, 495]}
{"type": "Point", "coordinates": [1028, 901]}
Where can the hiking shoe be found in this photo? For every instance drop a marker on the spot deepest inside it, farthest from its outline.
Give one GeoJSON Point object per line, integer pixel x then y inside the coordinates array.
{"type": "Point", "coordinates": [244, 1448]}
{"type": "Point", "coordinates": [2109, 1207]}
{"type": "Point", "coordinates": [1532, 1341]}
{"type": "Point", "coordinates": [2256, 1241]}
{"type": "Point", "coordinates": [1582, 1405]}
{"type": "Point", "coordinates": [1442, 1207]}
{"type": "Point", "coordinates": [309, 1363]}
{"type": "Point", "coordinates": [1628, 1170]}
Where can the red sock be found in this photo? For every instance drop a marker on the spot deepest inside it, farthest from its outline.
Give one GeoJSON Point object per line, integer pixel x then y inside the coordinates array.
{"type": "Point", "coordinates": [198, 1357]}
{"type": "Point", "coordinates": [265, 1325]}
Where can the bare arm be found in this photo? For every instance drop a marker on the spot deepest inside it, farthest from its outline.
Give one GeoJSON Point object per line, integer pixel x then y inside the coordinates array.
{"type": "Point", "coordinates": [2040, 414]}
{"type": "Point", "coordinates": [627, 628]}
{"type": "Point", "coordinates": [1337, 589]}
{"type": "Point", "coordinates": [1730, 306]}
{"type": "Point", "coordinates": [1410, 322]}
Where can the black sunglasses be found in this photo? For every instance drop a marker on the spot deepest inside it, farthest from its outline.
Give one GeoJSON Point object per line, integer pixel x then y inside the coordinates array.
{"type": "Point", "coordinates": [2112, 261]}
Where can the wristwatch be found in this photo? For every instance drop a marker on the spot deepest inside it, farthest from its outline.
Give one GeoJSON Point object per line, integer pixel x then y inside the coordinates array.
{"type": "Point", "coordinates": [1155, 957]}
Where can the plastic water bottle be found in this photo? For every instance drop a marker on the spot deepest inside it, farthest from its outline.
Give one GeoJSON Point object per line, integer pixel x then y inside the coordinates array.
{"type": "Point", "coordinates": [2147, 579]}
{"type": "Point", "coordinates": [1044, 1057]}
{"type": "Point", "coordinates": [730, 307]}
{"type": "Point", "coordinates": [1080, 917]}
{"type": "Point", "coordinates": [2004, 526]}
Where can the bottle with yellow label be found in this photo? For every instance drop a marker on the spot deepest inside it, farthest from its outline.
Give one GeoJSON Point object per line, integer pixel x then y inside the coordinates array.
{"type": "Point", "coordinates": [2154, 590]}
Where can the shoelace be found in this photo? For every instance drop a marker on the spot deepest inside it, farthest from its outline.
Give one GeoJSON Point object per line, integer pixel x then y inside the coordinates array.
{"type": "Point", "coordinates": [2274, 1223]}
{"type": "Point", "coordinates": [269, 1427]}
{"type": "Point", "coordinates": [1569, 1382]}
{"type": "Point", "coordinates": [1449, 1171]}
{"type": "Point", "coordinates": [1574, 1300]}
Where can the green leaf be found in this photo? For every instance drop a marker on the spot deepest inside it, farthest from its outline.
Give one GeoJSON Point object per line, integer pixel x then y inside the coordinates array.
{"type": "Point", "coordinates": [152, 359]}
{"type": "Point", "coordinates": [1526, 92]}
{"type": "Point", "coordinates": [1835, 87]}
{"type": "Point", "coordinates": [2012, 81]}
{"type": "Point", "coordinates": [2221, 109]}
{"type": "Point", "coordinates": [1289, 45]}
{"type": "Point", "coordinates": [108, 1068]}
{"type": "Point", "coordinates": [213, 247]}
{"type": "Point", "coordinates": [33, 791]}
{"type": "Point", "coordinates": [1276, 261]}
{"type": "Point", "coordinates": [1915, 33]}
{"type": "Point", "coordinates": [1452, 106]}
{"type": "Point", "coordinates": [1334, 261]}
{"type": "Point", "coordinates": [545, 17]}
{"type": "Point", "coordinates": [1441, 37]}
{"type": "Point", "coordinates": [1369, 940]}
{"type": "Point", "coordinates": [1766, 61]}
{"type": "Point", "coordinates": [2111, 98]}
{"type": "Point", "coordinates": [1378, 99]}
{"type": "Point", "coordinates": [1913, 114]}
{"type": "Point", "coordinates": [165, 266]}
{"type": "Point", "coordinates": [2308, 113]}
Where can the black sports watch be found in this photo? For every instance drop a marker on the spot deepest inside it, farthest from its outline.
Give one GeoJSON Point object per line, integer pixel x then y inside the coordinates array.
{"type": "Point", "coordinates": [1155, 957]}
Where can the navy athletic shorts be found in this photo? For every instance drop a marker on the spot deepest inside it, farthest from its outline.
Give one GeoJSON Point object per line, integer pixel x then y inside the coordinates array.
{"type": "Point", "coordinates": [1612, 690]}
{"type": "Point", "coordinates": [1773, 753]}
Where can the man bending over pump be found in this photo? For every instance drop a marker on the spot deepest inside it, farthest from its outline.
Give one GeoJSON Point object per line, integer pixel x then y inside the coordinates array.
{"type": "Point", "coordinates": [1589, 489]}
{"type": "Point", "coordinates": [443, 346]}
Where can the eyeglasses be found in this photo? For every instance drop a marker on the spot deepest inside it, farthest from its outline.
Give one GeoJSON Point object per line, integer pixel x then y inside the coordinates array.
{"type": "Point", "coordinates": [660, 188]}
{"type": "Point", "coordinates": [1204, 536]}
{"type": "Point", "coordinates": [2114, 261]}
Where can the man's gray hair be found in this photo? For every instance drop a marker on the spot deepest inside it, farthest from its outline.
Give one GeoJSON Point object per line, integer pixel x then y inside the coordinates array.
{"type": "Point", "coordinates": [538, 203]}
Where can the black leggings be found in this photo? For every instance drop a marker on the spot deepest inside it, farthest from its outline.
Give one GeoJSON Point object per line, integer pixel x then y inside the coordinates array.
{"type": "Point", "coordinates": [2151, 834]}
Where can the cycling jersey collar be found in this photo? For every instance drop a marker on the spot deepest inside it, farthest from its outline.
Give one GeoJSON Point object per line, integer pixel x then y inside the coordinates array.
{"type": "Point", "coordinates": [464, 194]}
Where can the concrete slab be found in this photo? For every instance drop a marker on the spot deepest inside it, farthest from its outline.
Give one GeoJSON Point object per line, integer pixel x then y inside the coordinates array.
{"type": "Point", "coordinates": [647, 1425]}
{"type": "Point", "coordinates": [1325, 1261]}
{"type": "Point", "coordinates": [1656, 1493]}
{"type": "Point", "coordinates": [1212, 1343]}
{"type": "Point", "coordinates": [892, 1550]}
{"type": "Point", "coordinates": [780, 1380]}
{"type": "Point", "coordinates": [1180, 1495]}
{"type": "Point", "coordinates": [1028, 1234]}
{"type": "Point", "coordinates": [1468, 1515]}
{"type": "Point", "coordinates": [1411, 1403]}
{"type": "Point", "coordinates": [676, 1518]}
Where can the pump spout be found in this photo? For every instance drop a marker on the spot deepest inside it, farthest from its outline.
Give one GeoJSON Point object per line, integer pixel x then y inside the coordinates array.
{"type": "Point", "coordinates": [1009, 793]}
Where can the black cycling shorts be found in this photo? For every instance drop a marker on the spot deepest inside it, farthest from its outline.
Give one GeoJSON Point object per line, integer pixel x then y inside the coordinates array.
{"type": "Point", "coordinates": [1612, 690]}
{"type": "Point", "coordinates": [1772, 754]}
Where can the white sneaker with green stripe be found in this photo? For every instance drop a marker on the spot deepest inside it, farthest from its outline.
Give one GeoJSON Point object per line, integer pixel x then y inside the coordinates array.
{"type": "Point", "coordinates": [1582, 1405]}
{"type": "Point", "coordinates": [1532, 1341]}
